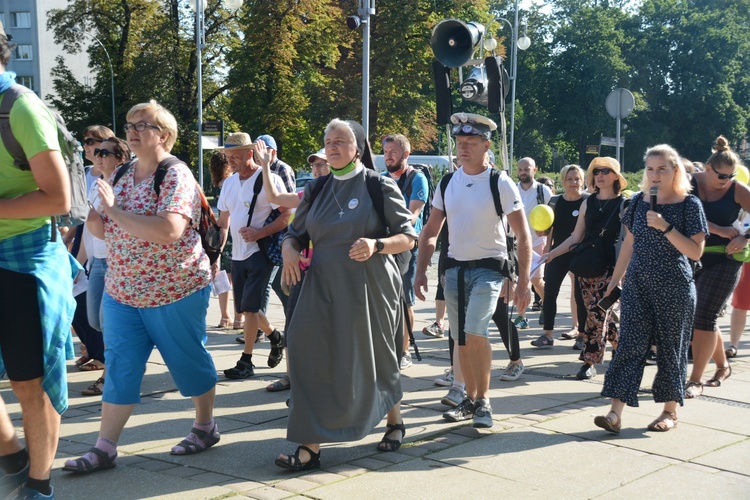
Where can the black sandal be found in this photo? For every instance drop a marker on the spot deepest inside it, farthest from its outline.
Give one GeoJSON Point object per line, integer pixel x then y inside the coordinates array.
{"type": "Point", "coordinates": [292, 462]}
{"type": "Point", "coordinates": [388, 445]}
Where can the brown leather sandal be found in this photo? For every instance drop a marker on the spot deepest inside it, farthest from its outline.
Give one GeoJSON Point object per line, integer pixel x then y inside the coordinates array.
{"type": "Point", "coordinates": [720, 376]}
{"type": "Point", "coordinates": [666, 421]}
{"type": "Point", "coordinates": [608, 424]}
{"type": "Point", "coordinates": [693, 389]}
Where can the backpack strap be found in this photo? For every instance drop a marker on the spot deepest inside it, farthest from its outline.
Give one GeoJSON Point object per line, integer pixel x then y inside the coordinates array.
{"type": "Point", "coordinates": [375, 190]}
{"type": "Point", "coordinates": [539, 194]}
{"type": "Point", "coordinates": [553, 201]}
{"type": "Point", "coordinates": [444, 185]}
{"type": "Point", "coordinates": [161, 172]}
{"type": "Point", "coordinates": [494, 179]}
{"type": "Point", "coordinates": [6, 134]}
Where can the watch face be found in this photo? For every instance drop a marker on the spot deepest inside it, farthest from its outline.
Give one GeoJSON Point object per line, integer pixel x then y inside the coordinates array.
{"type": "Point", "coordinates": [379, 245]}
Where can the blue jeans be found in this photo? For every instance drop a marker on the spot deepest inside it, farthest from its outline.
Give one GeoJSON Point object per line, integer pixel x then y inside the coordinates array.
{"type": "Point", "coordinates": [95, 291]}
{"type": "Point", "coordinates": [481, 289]}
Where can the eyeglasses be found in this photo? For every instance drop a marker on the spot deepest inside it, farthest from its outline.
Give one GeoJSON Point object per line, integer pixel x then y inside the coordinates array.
{"type": "Point", "coordinates": [467, 128]}
{"type": "Point", "coordinates": [90, 141]}
{"type": "Point", "coordinates": [103, 152]}
{"type": "Point", "coordinates": [139, 127]}
{"type": "Point", "coordinates": [725, 177]}
{"type": "Point", "coordinates": [605, 171]}
{"type": "Point", "coordinates": [319, 164]}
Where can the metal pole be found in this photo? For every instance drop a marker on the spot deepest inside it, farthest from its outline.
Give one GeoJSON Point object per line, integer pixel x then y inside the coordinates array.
{"type": "Point", "coordinates": [199, 66]}
{"type": "Point", "coordinates": [513, 64]}
{"type": "Point", "coordinates": [112, 81]}
{"type": "Point", "coordinates": [367, 8]}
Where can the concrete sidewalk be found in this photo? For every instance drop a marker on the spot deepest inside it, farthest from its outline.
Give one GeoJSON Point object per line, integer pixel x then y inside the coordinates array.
{"type": "Point", "coordinates": [543, 444]}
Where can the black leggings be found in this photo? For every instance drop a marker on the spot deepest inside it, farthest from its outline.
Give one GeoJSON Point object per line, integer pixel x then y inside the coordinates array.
{"type": "Point", "coordinates": [554, 275]}
{"type": "Point", "coordinates": [89, 336]}
{"type": "Point", "coordinates": [508, 330]}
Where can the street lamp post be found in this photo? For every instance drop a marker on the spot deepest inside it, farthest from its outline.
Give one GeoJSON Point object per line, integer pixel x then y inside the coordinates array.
{"type": "Point", "coordinates": [199, 6]}
{"type": "Point", "coordinates": [76, 29]}
{"type": "Point", "coordinates": [364, 11]}
{"type": "Point", "coordinates": [523, 42]}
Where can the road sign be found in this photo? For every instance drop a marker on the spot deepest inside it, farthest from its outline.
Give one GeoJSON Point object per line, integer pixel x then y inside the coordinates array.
{"type": "Point", "coordinates": [611, 141]}
{"type": "Point", "coordinates": [592, 149]}
{"type": "Point", "coordinates": [620, 103]}
{"type": "Point", "coordinates": [215, 127]}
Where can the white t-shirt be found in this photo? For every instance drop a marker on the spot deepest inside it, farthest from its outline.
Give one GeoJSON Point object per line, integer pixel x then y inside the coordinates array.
{"type": "Point", "coordinates": [475, 230]}
{"type": "Point", "coordinates": [235, 198]}
{"type": "Point", "coordinates": [95, 247]}
{"type": "Point", "coordinates": [530, 200]}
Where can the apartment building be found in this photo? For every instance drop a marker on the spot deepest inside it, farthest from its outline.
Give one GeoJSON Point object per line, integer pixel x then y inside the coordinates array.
{"type": "Point", "coordinates": [34, 55]}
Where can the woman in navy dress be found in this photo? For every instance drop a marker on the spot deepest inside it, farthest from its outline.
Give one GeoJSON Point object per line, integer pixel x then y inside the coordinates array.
{"type": "Point", "coordinates": [658, 295]}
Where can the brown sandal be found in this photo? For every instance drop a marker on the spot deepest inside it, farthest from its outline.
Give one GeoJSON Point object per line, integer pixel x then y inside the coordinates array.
{"type": "Point", "coordinates": [720, 376]}
{"type": "Point", "coordinates": [662, 424]}
{"type": "Point", "coordinates": [693, 389]}
{"type": "Point", "coordinates": [94, 389]}
{"type": "Point", "coordinates": [609, 424]}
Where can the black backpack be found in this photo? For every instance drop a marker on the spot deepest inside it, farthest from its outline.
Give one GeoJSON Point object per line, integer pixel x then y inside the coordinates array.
{"type": "Point", "coordinates": [208, 229]}
{"type": "Point", "coordinates": [510, 266]}
{"type": "Point", "coordinates": [70, 149]}
{"type": "Point", "coordinates": [405, 184]}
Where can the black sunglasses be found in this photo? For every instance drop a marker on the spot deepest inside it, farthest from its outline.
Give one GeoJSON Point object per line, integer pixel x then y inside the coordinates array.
{"type": "Point", "coordinates": [140, 126]}
{"type": "Point", "coordinates": [103, 152]}
{"type": "Point", "coordinates": [605, 171]}
{"type": "Point", "coordinates": [90, 141]}
{"type": "Point", "coordinates": [725, 177]}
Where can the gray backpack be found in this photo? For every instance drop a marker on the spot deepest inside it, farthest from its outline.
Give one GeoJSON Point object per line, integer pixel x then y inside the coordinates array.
{"type": "Point", "coordinates": [70, 149]}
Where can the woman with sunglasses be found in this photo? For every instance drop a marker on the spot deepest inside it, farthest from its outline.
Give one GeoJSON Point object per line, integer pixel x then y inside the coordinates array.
{"type": "Point", "coordinates": [598, 219]}
{"type": "Point", "coordinates": [157, 286]}
{"type": "Point", "coordinates": [722, 199]}
{"type": "Point", "coordinates": [110, 154]}
{"type": "Point", "coordinates": [658, 295]}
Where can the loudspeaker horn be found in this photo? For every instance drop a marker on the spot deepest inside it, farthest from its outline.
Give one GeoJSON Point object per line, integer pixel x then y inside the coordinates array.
{"type": "Point", "coordinates": [453, 41]}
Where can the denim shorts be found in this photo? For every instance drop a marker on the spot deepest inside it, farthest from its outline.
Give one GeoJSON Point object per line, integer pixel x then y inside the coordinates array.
{"type": "Point", "coordinates": [250, 278]}
{"type": "Point", "coordinates": [178, 330]}
{"type": "Point", "coordinates": [481, 290]}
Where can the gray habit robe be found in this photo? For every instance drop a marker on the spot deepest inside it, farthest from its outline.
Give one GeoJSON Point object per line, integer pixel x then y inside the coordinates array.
{"type": "Point", "coordinates": [345, 334]}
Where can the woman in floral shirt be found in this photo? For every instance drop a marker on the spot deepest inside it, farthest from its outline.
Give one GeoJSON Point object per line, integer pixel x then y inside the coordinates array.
{"type": "Point", "coordinates": [156, 285]}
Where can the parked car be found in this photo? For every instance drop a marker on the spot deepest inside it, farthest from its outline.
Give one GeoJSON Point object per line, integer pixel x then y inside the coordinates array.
{"type": "Point", "coordinates": [302, 179]}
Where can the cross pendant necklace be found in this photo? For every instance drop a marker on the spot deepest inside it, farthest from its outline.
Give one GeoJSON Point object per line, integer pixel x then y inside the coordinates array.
{"type": "Point", "coordinates": [341, 209]}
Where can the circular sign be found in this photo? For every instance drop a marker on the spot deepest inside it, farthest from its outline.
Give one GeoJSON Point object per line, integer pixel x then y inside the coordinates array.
{"type": "Point", "coordinates": [620, 103]}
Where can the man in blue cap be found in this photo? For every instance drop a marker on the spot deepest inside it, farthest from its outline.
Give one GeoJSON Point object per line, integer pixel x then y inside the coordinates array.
{"type": "Point", "coordinates": [474, 202]}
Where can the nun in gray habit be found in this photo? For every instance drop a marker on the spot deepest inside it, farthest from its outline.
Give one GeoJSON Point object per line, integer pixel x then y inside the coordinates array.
{"type": "Point", "coordinates": [345, 333]}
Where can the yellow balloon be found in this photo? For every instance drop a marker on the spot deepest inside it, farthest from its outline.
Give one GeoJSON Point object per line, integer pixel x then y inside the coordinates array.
{"type": "Point", "coordinates": [743, 174]}
{"type": "Point", "coordinates": [541, 217]}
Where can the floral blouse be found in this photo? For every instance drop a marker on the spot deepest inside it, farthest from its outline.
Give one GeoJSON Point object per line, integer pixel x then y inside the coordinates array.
{"type": "Point", "coordinates": [145, 274]}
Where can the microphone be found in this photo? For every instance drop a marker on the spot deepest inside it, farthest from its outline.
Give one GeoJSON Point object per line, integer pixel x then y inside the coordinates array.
{"type": "Point", "coordinates": [654, 191]}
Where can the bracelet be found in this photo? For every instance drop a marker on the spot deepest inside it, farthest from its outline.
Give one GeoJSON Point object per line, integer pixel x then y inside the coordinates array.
{"type": "Point", "coordinates": [668, 230]}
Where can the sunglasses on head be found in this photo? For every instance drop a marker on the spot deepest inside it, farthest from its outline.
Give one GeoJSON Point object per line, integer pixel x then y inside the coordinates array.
{"type": "Point", "coordinates": [90, 141]}
{"type": "Point", "coordinates": [725, 177]}
{"type": "Point", "coordinates": [467, 128]}
{"type": "Point", "coordinates": [605, 171]}
{"type": "Point", "coordinates": [103, 153]}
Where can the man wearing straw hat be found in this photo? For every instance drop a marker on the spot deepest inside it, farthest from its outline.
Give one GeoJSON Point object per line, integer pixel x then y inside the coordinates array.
{"type": "Point", "coordinates": [250, 268]}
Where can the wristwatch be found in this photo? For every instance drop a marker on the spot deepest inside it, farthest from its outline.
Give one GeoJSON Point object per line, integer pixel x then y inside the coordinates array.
{"type": "Point", "coordinates": [379, 246]}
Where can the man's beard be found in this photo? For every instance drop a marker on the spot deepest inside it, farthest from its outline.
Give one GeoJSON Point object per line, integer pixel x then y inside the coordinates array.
{"type": "Point", "coordinates": [393, 168]}
{"type": "Point", "coordinates": [524, 178]}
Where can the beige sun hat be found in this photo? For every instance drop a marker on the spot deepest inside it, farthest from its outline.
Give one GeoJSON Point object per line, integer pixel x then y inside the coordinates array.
{"type": "Point", "coordinates": [604, 162]}
{"type": "Point", "coordinates": [237, 140]}
{"type": "Point", "coordinates": [320, 154]}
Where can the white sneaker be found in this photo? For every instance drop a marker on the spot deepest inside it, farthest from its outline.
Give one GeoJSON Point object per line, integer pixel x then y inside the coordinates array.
{"type": "Point", "coordinates": [447, 379]}
{"type": "Point", "coordinates": [454, 397]}
{"type": "Point", "coordinates": [434, 330]}
{"type": "Point", "coordinates": [405, 361]}
{"type": "Point", "coordinates": [512, 372]}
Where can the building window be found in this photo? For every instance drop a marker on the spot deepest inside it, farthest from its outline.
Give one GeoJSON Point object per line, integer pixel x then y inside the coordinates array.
{"type": "Point", "coordinates": [2, 18]}
{"type": "Point", "coordinates": [20, 19]}
{"type": "Point", "coordinates": [23, 52]}
{"type": "Point", "coordinates": [26, 81]}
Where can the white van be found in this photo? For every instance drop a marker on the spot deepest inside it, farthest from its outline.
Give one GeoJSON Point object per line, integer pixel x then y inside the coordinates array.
{"type": "Point", "coordinates": [437, 162]}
